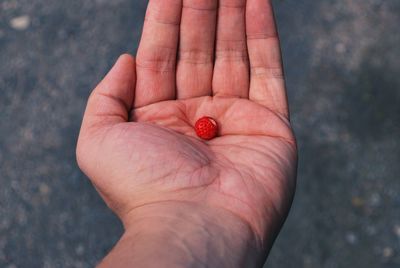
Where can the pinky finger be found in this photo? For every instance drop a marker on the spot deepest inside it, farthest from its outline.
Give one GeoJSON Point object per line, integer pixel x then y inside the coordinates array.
{"type": "Point", "coordinates": [267, 85]}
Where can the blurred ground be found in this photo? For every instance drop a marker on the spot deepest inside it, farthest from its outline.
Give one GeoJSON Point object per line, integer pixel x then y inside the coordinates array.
{"type": "Point", "coordinates": [342, 63]}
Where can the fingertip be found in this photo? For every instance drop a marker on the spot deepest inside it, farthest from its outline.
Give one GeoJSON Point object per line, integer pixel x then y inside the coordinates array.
{"type": "Point", "coordinates": [126, 57]}
{"type": "Point", "coordinates": [123, 69]}
{"type": "Point", "coordinates": [125, 60]}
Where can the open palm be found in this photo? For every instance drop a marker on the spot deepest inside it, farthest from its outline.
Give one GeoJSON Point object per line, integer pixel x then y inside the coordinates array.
{"type": "Point", "coordinates": [196, 58]}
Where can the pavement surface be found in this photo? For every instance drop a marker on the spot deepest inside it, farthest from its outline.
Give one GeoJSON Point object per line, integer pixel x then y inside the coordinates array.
{"type": "Point", "coordinates": [342, 62]}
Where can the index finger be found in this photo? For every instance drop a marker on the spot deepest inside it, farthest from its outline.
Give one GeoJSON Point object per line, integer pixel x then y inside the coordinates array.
{"type": "Point", "coordinates": [157, 52]}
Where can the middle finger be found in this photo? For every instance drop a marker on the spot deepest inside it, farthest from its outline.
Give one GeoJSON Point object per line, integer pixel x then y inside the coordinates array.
{"type": "Point", "coordinates": [196, 48]}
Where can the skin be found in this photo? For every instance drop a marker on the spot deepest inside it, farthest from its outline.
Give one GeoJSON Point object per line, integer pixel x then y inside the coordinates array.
{"type": "Point", "coordinates": [185, 202]}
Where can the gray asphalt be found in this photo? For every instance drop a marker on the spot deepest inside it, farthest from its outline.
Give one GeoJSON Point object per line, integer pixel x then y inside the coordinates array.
{"type": "Point", "coordinates": [342, 61]}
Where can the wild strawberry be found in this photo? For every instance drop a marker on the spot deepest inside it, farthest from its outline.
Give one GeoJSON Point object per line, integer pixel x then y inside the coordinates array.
{"type": "Point", "coordinates": [206, 128]}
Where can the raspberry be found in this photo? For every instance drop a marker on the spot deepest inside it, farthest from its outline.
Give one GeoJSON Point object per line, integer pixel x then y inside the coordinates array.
{"type": "Point", "coordinates": [206, 128]}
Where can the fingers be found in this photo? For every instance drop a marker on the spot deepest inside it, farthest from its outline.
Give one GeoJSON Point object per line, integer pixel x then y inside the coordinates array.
{"type": "Point", "coordinates": [156, 57]}
{"type": "Point", "coordinates": [267, 85]}
{"type": "Point", "coordinates": [112, 99]}
{"type": "Point", "coordinates": [231, 71]}
{"type": "Point", "coordinates": [196, 48]}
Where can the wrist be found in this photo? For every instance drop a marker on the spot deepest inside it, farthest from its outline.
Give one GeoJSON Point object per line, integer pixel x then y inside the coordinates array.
{"type": "Point", "coordinates": [184, 234]}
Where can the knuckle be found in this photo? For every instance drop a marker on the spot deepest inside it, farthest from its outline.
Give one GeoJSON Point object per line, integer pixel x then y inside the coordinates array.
{"type": "Point", "coordinates": [157, 59]}
{"type": "Point", "coordinates": [196, 57]}
{"type": "Point", "coordinates": [267, 72]}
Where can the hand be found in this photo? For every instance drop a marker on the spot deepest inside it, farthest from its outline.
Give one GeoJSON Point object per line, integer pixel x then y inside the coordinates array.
{"type": "Point", "coordinates": [138, 145]}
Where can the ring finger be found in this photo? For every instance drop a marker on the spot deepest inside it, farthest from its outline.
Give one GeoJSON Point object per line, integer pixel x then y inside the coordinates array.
{"type": "Point", "coordinates": [231, 70]}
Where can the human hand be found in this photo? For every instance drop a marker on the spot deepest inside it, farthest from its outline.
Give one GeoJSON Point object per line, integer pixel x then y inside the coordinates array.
{"type": "Point", "coordinates": [196, 58]}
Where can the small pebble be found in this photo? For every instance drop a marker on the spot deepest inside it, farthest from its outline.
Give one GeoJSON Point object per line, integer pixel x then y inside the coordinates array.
{"type": "Point", "coordinates": [371, 230]}
{"type": "Point", "coordinates": [44, 189]}
{"type": "Point", "coordinates": [340, 48]}
{"type": "Point", "coordinates": [396, 230]}
{"type": "Point", "coordinates": [387, 252]}
{"type": "Point", "coordinates": [375, 200]}
{"type": "Point", "coordinates": [80, 250]}
{"type": "Point", "coordinates": [351, 238]}
{"type": "Point", "coordinates": [20, 23]}
{"type": "Point", "coordinates": [357, 202]}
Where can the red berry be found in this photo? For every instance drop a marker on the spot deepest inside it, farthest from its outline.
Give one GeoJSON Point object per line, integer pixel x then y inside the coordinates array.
{"type": "Point", "coordinates": [206, 128]}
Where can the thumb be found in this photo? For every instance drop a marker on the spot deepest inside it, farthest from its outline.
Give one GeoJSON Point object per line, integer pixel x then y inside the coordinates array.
{"type": "Point", "coordinates": [111, 101]}
{"type": "Point", "coordinates": [109, 104]}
